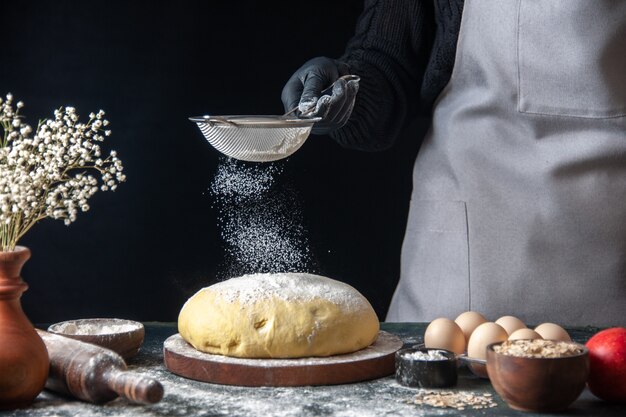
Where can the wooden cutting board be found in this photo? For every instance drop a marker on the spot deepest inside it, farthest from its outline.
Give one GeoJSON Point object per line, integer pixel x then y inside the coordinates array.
{"type": "Point", "coordinates": [375, 361]}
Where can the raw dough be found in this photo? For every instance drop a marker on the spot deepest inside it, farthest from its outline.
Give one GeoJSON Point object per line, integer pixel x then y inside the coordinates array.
{"type": "Point", "coordinates": [288, 315]}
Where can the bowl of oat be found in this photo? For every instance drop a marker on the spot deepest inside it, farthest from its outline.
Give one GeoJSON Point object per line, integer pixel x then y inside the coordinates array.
{"type": "Point", "coordinates": [124, 337]}
{"type": "Point", "coordinates": [538, 375]}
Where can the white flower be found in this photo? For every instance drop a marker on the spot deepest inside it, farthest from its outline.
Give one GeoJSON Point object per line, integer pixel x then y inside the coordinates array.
{"type": "Point", "coordinates": [50, 174]}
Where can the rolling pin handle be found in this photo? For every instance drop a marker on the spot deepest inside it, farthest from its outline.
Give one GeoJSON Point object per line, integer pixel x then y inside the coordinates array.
{"type": "Point", "coordinates": [135, 388]}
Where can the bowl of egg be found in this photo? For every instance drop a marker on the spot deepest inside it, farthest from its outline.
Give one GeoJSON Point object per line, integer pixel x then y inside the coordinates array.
{"type": "Point", "coordinates": [470, 334]}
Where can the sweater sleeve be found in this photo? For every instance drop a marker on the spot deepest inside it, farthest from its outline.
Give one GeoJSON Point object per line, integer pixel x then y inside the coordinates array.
{"type": "Point", "coordinates": [390, 52]}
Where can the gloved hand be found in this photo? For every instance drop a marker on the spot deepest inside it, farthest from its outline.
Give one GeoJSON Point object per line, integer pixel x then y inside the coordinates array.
{"type": "Point", "coordinates": [305, 85]}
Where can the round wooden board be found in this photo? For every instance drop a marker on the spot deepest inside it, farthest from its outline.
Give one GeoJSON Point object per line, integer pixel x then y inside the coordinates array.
{"type": "Point", "coordinates": [375, 361]}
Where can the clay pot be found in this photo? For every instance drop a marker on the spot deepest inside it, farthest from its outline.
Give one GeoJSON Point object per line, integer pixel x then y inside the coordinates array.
{"type": "Point", "coordinates": [24, 360]}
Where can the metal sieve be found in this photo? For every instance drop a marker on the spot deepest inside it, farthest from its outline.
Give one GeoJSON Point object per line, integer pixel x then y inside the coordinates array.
{"type": "Point", "coordinates": [255, 138]}
{"type": "Point", "coordinates": [260, 138]}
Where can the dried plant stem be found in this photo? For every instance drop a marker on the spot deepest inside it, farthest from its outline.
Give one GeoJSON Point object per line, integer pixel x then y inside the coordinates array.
{"type": "Point", "coordinates": [9, 233]}
{"type": "Point", "coordinates": [19, 224]}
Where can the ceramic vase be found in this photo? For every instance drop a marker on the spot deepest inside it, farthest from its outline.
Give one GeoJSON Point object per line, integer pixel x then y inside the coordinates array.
{"type": "Point", "coordinates": [24, 360]}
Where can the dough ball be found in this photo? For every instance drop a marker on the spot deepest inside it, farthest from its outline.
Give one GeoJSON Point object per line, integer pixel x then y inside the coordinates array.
{"type": "Point", "coordinates": [287, 315]}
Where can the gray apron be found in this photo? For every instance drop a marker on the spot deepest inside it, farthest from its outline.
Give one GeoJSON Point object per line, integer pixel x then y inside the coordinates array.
{"type": "Point", "coordinates": [519, 189]}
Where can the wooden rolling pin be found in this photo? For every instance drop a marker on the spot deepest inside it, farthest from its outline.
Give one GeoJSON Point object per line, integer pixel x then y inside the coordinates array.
{"type": "Point", "coordinates": [95, 374]}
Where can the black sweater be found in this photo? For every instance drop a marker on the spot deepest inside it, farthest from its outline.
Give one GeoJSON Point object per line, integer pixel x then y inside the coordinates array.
{"type": "Point", "coordinates": [404, 51]}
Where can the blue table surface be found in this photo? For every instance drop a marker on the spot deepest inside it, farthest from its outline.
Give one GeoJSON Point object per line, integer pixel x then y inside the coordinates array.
{"type": "Point", "coordinates": [380, 397]}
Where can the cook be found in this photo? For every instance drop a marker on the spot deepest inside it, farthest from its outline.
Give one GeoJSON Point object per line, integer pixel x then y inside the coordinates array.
{"type": "Point", "coordinates": [519, 188]}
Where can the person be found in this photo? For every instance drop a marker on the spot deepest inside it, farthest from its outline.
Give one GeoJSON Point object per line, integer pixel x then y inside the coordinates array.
{"type": "Point", "coordinates": [519, 188]}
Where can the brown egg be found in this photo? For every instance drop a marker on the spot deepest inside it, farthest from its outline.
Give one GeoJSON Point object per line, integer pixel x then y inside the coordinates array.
{"type": "Point", "coordinates": [553, 331]}
{"type": "Point", "coordinates": [485, 334]}
{"type": "Point", "coordinates": [482, 336]}
{"type": "Point", "coordinates": [524, 334]}
{"type": "Point", "coordinates": [443, 333]}
{"type": "Point", "coordinates": [469, 321]}
{"type": "Point", "coordinates": [510, 324]}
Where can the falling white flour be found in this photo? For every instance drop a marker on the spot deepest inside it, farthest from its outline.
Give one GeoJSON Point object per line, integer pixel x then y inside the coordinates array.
{"type": "Point", "coordinates": [236, 182]}
{"type": "Point", "coordinates": [260, 220]}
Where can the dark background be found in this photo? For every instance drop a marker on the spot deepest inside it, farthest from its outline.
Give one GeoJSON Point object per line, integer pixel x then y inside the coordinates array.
{"type": "Point", "coordinates": [140, 252]}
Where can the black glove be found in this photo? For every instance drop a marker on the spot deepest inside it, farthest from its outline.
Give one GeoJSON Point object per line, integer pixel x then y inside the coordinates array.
{"type": "Point", "coordinates": [304, 88]}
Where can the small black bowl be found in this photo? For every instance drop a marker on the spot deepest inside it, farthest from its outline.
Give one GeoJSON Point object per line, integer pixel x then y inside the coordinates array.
{"type": "Point", "coordinates": [423, 373]}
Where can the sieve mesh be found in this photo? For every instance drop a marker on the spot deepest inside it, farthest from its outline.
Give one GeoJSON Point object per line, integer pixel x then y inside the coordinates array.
{"type": "Point", "coordinates": [255, 138]}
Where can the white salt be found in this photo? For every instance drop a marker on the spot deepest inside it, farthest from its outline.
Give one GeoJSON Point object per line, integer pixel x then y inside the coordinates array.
{"type": "Point", "coordinates": [430, 355]}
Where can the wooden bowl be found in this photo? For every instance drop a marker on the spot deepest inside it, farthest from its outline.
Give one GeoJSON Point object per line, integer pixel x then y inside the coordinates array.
{"type": "Point", "coordinates": [124, 337]}
{"type": "Point", "coordinates": [538, 384]}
